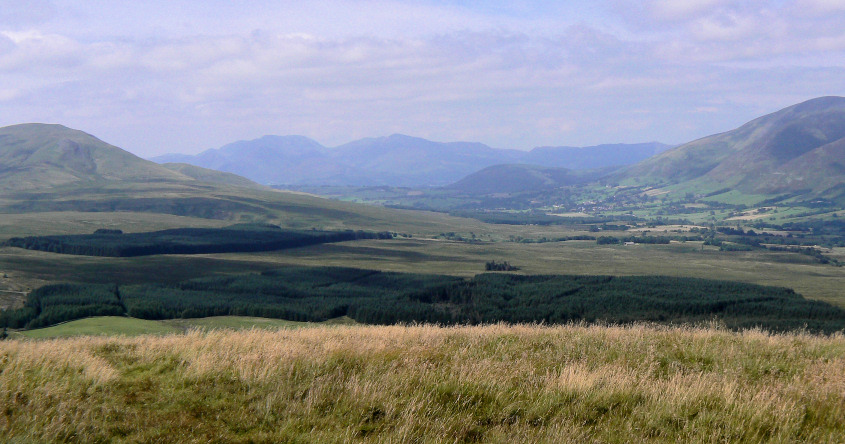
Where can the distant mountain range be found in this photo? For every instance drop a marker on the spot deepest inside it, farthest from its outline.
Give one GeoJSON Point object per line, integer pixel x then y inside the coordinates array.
{"type": "Point", "coordinates": [47, 168]}
{"type": "Point", "coordinates": [396, 160]}
{"type": "Point", "coordinates": [797, 150]}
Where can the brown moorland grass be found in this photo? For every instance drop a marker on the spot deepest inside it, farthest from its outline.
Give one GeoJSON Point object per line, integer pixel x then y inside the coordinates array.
{"type": "Point", "coordinates": [494, 383]}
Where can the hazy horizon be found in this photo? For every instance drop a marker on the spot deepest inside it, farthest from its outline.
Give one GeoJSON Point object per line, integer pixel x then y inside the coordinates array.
{"type": "Point", "coordinates": [184, 77]}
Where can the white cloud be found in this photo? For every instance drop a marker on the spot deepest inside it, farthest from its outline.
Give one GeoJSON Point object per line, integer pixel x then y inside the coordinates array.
{"type": "Point", "coordinates": [337, 70]}
{"type": "Point", "coordinates": [675, 10]}
{"type": "Point", "coordinates": [34, 49]}
{"type": "Point", "coordinates": [726, 27]}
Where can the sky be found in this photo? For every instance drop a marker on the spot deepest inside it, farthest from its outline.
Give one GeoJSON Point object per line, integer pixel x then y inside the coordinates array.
{"type": "Point", "coordinates": [176, 76]}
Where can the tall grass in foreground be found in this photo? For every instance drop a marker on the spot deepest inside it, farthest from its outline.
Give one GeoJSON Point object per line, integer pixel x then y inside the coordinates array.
{"type": "Point", "coordinates": [427, 384]}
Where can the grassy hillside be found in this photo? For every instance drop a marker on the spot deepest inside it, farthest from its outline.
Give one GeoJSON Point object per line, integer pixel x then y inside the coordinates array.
{"type": "Point", "coordinates": [212, 176]}
{"type": "Point", "coordinates": [518, 384]}
{"type": "Point", "coordinates": [74, 209]}
{"type": "Point", "coordinates": [100, 326]}
{"type": "Point", "coordinates": [37, 156]}
{"type": "Point", "coordinates": [772, 154]}
{"type": "Point", "coordinates": [124, 326]}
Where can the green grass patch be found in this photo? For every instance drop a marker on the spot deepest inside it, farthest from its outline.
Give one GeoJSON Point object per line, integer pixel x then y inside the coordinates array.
{"type": "Point", "coordinates": [101, 326]}
{"type": "Point", "coordinates": [234, 323]}
{"type": "Point", "coordinates": [126, 326]}
{"type": "Point", "coordinates": [736, 197]}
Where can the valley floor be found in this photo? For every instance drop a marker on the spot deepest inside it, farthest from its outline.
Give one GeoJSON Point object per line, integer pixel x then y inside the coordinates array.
{"type": "Point", "coordinates": [689, 259]}
{"type": "Point", "coordinates": [493, 383]}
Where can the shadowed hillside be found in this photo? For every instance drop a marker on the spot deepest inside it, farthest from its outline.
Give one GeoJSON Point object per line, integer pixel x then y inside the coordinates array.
{"type": "Point", "coordinates": [519, 178]}
{"type": "Point", "coordinates": [796, 150]}
{"type": "Point", "coordinates": [590, 157]}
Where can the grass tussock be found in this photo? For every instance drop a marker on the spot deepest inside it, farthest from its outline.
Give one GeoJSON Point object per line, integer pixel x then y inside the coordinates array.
{"type": "Point", "coordinates": [427, 384]}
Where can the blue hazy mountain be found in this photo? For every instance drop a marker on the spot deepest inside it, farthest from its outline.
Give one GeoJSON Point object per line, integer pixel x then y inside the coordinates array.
{"type": "Point", "coordinates": [397, 160]}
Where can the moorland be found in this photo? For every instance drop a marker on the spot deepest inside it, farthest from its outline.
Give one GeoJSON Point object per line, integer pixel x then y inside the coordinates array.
{"type": "Point", "coordinates": [695, 295]}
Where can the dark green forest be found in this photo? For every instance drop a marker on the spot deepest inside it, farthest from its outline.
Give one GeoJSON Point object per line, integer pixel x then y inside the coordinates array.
{"type": "Point", "coordinates": [374, 297]}
{"type": "Point", "coordinates": [234, 239]}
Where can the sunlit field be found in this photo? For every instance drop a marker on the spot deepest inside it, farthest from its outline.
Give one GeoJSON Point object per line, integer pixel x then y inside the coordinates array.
{"type": "Point", "coordinates": [427, 384]}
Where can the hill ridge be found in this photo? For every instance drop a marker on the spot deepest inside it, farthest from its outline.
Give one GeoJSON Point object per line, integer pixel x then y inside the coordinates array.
{"type": "Point", "coordinates": [36, 155]}
{"type": "Point", "coordinates": [750, 157]}
{"type": "Point", "coordinates": [396, 160]}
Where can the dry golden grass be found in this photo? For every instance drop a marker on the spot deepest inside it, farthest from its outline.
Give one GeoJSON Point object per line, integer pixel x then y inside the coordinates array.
{"type": "Point", "coordinates": [427, 384]}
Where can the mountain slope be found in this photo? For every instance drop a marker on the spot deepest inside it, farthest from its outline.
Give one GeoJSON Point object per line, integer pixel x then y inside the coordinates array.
{"type": "Point", "coordinates": [822, 168]}
{"type": "Point", "coordinates": [210, 176]}
{"type": "Point", "coordinates": [516, 178]}
{"type": "Point", "coordinates": [40, 155]}
{"type": "Point", "coordinates": [797, 149]}
{"type": "Point", "coordinates": [589, 157]}
{"type": "Point", "coordinates": [267, 160]}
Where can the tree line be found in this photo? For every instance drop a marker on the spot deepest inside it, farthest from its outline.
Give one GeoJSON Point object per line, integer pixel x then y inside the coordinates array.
{"type": "Point", "coordinates": [605, 240]}
{"type": "Point", "coordinates": [234, 239]}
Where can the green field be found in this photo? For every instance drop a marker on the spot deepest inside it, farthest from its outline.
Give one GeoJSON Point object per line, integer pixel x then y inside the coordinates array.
{"type": "Point", "coordinates": [246, 323]}
{"type": "Point", "coordinates": [100, 326]}
{"type": "Point", "coordinates": [73, 222]}
{"type": "Point", "coordinates": [124, 326]}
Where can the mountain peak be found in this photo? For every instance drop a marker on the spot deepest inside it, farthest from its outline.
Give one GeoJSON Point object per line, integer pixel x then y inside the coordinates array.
{"type": "Point", "coordinates": [820, 104]}
{"type": "Point", "coordinates": [43, 130]}
{"type": "Point", "coordinates": [396, 137]}
{"type": "Point", "coordinates": [38, 155]}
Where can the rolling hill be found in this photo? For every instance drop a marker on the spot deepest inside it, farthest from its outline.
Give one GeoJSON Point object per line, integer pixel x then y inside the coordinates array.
{"type": "Point", "coordinates": [208, 175]}
{"type": "Point", "coordinates": [516, 178]}
{"type": "Point", "coordinates": [34, 156]}
{"type": "Point", "coordinates": [797, 150]}
{"type": "Point", "coordinates": [52, 169]}
{"type": "Point", "coordinates": [396, 160]}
